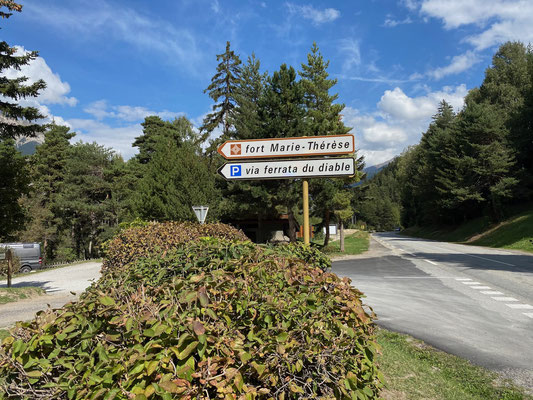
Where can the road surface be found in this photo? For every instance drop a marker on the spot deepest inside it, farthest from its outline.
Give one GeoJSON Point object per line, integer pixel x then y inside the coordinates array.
{"type": "Point", "coordinates": [58, 284]}
{"type": "Point", "coordinates": [470, 301]}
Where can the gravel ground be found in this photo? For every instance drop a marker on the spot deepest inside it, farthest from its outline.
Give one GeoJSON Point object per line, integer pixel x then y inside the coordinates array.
{"type": "Point", "coordinates": [58, 284]}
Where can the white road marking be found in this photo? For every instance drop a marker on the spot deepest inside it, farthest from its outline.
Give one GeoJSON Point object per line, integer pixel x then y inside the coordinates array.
{"type": "Point", "coordinates": [471, 283]}
{"type": "Point", "coordinates": [505, 298]}
{"type": "Point", "coordinates": [528, 314]}
{"type": "Point", "coordinates": [493, 292]}
{"type": "Point", "coordinates": [480, 287]}
{"type": "Point", "coordinates": [520, 306]}
{"type": "Point", "coordinates": [471, 255]}
{"type": "Point", "coordinates": [431, 262]}
{"type": "Point", "coordinates": [463, 279]}
{"type": "Point", "coordinates": [416, 277]}
{"type": "Point", "coordinates": [488, 259]}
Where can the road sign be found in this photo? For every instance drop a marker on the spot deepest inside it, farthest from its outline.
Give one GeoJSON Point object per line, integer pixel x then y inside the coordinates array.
{"type": "Point", "coordinates": [287, 147]}
{"type": "Point", "coordinates": [289, 169]}
{"type": "Point", "coordinates": [200, 212]}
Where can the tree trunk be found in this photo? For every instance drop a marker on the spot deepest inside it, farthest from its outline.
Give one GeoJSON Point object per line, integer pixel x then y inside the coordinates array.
{"type": "Point", "coordinates": [292, 227]}
{"type": "Point", "coordinates": [45, 250]}
{"type": "Point", "coordinates": [342, 236]}
{"type": "Point", "coordinates": [326, 219]}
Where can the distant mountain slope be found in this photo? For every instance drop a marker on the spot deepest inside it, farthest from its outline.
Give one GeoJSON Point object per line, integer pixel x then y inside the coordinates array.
{"type": "Point", "coordinates": [374, 169]}
{"type": "Point", "coordinates": [27, 146]}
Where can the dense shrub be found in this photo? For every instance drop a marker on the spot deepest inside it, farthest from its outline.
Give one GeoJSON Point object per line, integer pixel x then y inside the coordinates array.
{"type": "Point", "coordinates": [309, 254]}
{"type": "Point", "coordinates": [149, 240]}
{"type": "Point", "coordinates": [211, 318]}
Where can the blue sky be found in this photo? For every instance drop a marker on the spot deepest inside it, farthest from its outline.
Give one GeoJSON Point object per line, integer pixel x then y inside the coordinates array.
{"type": "Point", "coordinates": [110, 63]}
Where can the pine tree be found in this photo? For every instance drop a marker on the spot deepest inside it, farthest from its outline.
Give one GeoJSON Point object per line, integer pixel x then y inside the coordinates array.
{"type": "Point", "coordinates": [48, 176]}
{"type": "Point", "coordinates": [155, 130]}
{"type": "Point", "coordinates": [13, 184]}
{"type": "Point", "coordinates": [85, 200]}
{"type": "Point", "coordinates": [247, 96]}
{"type": "Point", "coordinates": [323, 117]}
{"type": "Point", "coordinates": [282, 114]}
{"type": "Point", "coordinates": [176, 178]}
{"type": "Point", "coordinates": [223, 87]}
{"type": "Point", "coordinates": [16, 120]}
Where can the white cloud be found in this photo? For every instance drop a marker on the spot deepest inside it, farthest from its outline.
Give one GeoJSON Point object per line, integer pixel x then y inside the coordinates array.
{"type": "Point", "coordinates": [391, 23]}
{"type": "Point", "coordinates": [458, 64]}
{"type": "Point", "coordinates": [397, 105]}
{"type": "Point", "coordinates": [351, 52]}
{"type": "Point", "coordinates": [316, 16]}
{"type": "Point", "coordinates": [215, 6]}
{"type": "Point", "coordinates": [500, 20]}
{"type": "Point", "coordinates": [399, 121]}
{"type": "Point", "coordinates": [56, 90]}
{"type": "Point", "coordinates": [117, 138]}
{"type": "Point", "coordinates": [101, 110]}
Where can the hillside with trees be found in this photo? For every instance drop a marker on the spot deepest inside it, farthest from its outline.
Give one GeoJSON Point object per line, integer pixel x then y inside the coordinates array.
{"type": "Point", "coordinates": [476, 162]}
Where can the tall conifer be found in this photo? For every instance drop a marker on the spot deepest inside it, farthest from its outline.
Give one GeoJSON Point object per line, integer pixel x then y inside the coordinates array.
{"type": "Point", "coordinates": [16, 120]}
{"type": "Point", "coordinates": [222, 90]}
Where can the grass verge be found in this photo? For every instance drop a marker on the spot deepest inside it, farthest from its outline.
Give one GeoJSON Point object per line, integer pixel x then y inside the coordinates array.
{"type": "Point", "coordinates": [10, 295]}
{"type": "Point", "coordinates": [514, 233]}
{"type": "Point", "coordinates": [414, 370]}
{"type": "Point", "coordinates": [355, 243]}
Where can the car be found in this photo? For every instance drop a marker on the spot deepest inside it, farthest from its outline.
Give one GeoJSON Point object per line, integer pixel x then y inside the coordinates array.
{"type": "Point", "coordinates": [29, 255]}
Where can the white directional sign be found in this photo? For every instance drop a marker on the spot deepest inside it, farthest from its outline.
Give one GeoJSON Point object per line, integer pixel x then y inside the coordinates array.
{"type": "Point", "coordinates": [288, 147]}
{"type": "Point", "coordinates": [288, 169]}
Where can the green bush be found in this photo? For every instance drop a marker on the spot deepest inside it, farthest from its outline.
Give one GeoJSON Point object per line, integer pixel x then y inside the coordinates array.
{"type": "Point", "coordinates": [148, 240]}
{"type": "Point", "coordinates": [299, 250]}
{"type": "Point", "coordinates": [211, 318]}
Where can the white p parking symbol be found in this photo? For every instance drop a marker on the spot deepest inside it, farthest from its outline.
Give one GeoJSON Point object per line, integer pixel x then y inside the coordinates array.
{"type": "Point", "coordinates": [235, 170]}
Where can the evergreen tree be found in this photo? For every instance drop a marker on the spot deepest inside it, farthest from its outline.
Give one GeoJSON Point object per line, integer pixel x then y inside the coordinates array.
{"type": "Point", "coordinates": [48, 176]}
{"type": "Point", "coordinates": [174, 180]}
{"type": "Point", "coordinates": [223, 87]}
{"type": "Point", "coordinates": [247, 96]}
{"type": "Point", "coordinates": [282, 113]}
{"type": "Point", "coordinates": [16, 120]}
{"type": "Point", "coordinates": [180, 130]}
{"type": "Point", "coordinates": [323, 117]}
{"type": "Point", "coordinates": [85, 201]}
{"type": "Point", "coordinates": [13, 184]}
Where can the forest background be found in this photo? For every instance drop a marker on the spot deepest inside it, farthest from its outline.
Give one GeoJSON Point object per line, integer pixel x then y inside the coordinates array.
{"type": "Point", "coordinates": [73, 197]}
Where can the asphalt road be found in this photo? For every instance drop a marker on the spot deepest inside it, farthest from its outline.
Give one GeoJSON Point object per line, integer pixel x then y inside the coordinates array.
{"type": "Point", "coordinates": [59, 284]}
{"type": "Point", "coordinates": [474, 302]}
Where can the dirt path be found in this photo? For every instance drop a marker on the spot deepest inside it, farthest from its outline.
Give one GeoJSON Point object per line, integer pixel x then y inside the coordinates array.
{"type": "Point", "coordinates": [62, 285]}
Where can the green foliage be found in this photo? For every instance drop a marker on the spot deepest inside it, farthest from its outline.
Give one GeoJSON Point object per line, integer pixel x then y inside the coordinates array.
{"type": "Point", "coordinates": [86, 201]}
{"type": "Point", "coordinates": [157, 131]}
{"type": "Point", "coordinates": [145, 240]}
{"type": "Point", "coordinates": [48, 171]}
{"type": "Point", "coordinates": [16, 120]}
{"type": "Point", "coordinates": [175, 179]}
{"type": "Point", "coordinates": [223, 86]}
{"type": "Point", "coordinates": [471, 164]}
{"type": "Point", "coordinates": [310, 254]}
{"type": "Point", "coordinates": [13, 184]}
{"type": "Point", "coordinates": [210, 318]}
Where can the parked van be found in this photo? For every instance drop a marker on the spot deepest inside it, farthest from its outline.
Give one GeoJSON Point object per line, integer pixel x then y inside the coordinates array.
{"type": "Point", "coordinates": [29, 255]}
